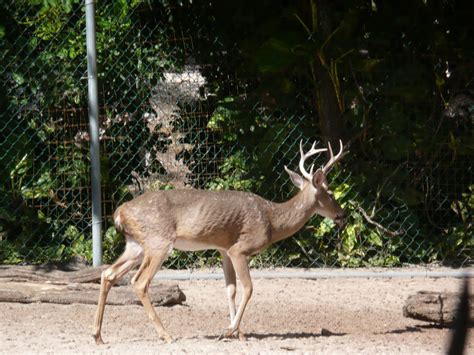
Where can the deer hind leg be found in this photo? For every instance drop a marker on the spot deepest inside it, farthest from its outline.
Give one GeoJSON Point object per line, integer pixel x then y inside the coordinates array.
{"type": "Point", "coordinates": [239, 262]}
{"type": "Point", "coordinates": [131, 257]}
{"type": "Point", "coordinates": [141, 282]}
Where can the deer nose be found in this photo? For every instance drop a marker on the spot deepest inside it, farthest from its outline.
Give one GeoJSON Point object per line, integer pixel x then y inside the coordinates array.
{"type": "Point", "coordinates": [341, 220]}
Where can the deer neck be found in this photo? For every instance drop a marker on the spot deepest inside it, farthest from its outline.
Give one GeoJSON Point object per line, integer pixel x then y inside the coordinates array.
{"type": "Point", "coordinates": [290, 216]}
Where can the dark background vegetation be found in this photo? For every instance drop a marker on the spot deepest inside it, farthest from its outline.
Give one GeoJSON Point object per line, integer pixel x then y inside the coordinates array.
{"type": "Point", "coordinates": [392, 79]}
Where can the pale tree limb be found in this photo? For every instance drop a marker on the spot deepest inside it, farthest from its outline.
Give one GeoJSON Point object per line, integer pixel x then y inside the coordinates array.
{"type": "Point", "coordinates": [371, 221]}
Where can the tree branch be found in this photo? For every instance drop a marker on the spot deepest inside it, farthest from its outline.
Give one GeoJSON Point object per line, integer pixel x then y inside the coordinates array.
{"type": "Point", "coordinates": [378, 225]}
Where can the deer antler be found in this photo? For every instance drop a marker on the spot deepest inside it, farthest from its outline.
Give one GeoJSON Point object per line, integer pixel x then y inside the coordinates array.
{"type": "Point", "coordinates": [333, 159]}
{"type": "Point", "coordinates": [304, 156]}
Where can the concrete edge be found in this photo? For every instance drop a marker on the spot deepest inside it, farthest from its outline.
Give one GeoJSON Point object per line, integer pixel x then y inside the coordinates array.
{"type": "Point", "coordinates": [181, 275]}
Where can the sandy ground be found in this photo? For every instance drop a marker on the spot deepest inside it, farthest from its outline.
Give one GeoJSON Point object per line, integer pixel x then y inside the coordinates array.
{"type": "Point", "coordinates": [359, 315]}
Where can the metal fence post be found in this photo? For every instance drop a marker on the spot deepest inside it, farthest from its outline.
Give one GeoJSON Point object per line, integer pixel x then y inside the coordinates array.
{"type": "Point", "coordinates": [94, 134]}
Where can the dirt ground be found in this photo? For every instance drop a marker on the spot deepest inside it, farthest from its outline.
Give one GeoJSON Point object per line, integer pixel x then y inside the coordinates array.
{"type": "Point", "coordinates": [358, 315]}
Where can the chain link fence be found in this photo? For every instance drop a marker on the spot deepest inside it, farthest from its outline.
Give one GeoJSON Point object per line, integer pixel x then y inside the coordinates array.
{"type": "Point", "coordinates": [170, 120]}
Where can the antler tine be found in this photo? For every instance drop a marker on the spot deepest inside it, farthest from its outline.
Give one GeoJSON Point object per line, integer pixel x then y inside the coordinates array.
{"type": "Point", "coordinates": [333, 159]}
{"type": "Point", "coordinates": [301, 150]}
{"type": "Point", "coordinates": [305, 156]}
{"type": "Point", "coordinates": [331, 153]}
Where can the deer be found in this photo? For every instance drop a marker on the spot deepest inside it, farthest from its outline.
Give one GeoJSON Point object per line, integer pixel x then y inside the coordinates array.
{"type": "Point", "coordinates": [237, 224]}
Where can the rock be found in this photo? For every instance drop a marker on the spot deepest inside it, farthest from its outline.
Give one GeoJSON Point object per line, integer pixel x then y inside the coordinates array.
{"type": "Point", "coordinates": [437, 307]}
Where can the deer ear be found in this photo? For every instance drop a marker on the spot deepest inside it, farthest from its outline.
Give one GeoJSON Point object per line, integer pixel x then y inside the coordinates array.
{"type": "Point", "coordinates": [296, 179]}
{"type": "Point", "coordinates": [319, 178]}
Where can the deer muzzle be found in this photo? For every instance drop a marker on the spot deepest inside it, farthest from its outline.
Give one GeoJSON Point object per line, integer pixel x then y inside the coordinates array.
{"type": "Point", "coordinates": [341, 220]}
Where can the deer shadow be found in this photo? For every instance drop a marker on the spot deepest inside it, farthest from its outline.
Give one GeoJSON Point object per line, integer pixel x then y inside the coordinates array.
{"type": "Point", "coordinates": [412, 329]}
{"type": "Point", "coordinates": [296, 335]}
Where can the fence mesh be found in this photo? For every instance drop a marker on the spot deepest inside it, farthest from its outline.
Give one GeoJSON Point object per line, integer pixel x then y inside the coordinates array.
{"type": "Point", "coordinates": [169, 120]}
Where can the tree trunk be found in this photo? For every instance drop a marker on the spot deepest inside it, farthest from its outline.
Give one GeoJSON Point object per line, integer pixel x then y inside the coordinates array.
{"type": "Point", "coordinates": [73, 283]}
{"type": "Point", "coordinates": [88, 293]}
{"type": "Point", "coordinates": [33, 273]}
{"type": "Point", "coordinates": [327, 107]}
{"type": "Point", "coordinates": [330, 118]}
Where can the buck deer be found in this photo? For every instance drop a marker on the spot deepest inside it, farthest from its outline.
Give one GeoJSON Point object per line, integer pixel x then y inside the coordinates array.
{"type": "Point", "coordinates": [237, 224]}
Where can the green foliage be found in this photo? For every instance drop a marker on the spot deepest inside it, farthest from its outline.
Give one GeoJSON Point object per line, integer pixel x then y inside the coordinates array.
{"type": "Point", "coordinates": [399, 74]}
{"type": "Point", "coordinates": [47, 167]}
{"type": "Point", "coordinates": [234, 170]}
{"type": "Point", "coordinates": [112, 243]}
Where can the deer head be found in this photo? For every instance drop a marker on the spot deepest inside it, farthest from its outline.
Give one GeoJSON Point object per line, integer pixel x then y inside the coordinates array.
{"type": "Point", "coordinates": [315, 183]}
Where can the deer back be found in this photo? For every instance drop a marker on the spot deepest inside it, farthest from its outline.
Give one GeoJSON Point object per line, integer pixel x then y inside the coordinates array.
{"type": "Point", "coordinates": [214, 218]}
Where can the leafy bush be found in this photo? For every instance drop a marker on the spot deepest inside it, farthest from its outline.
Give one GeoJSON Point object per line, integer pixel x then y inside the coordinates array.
{"type": "Point", "coordinates": [398, 91]}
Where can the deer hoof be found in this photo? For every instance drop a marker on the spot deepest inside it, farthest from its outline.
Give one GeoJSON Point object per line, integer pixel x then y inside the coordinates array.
{"type": "Point", "coordinates": [98, 339]}
{"type": "Point", "coordinates": [227, 334]}
{"type": "Point", "coordinates": [168, 338]}
{"type": "Point", "coordinates": [241, 336]}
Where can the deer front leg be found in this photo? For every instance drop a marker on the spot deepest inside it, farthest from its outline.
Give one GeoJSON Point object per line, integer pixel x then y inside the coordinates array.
{"type": "Point", "coordinates": [239, 262]}
{"type": "Point", "coordinates": [230, 282]}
